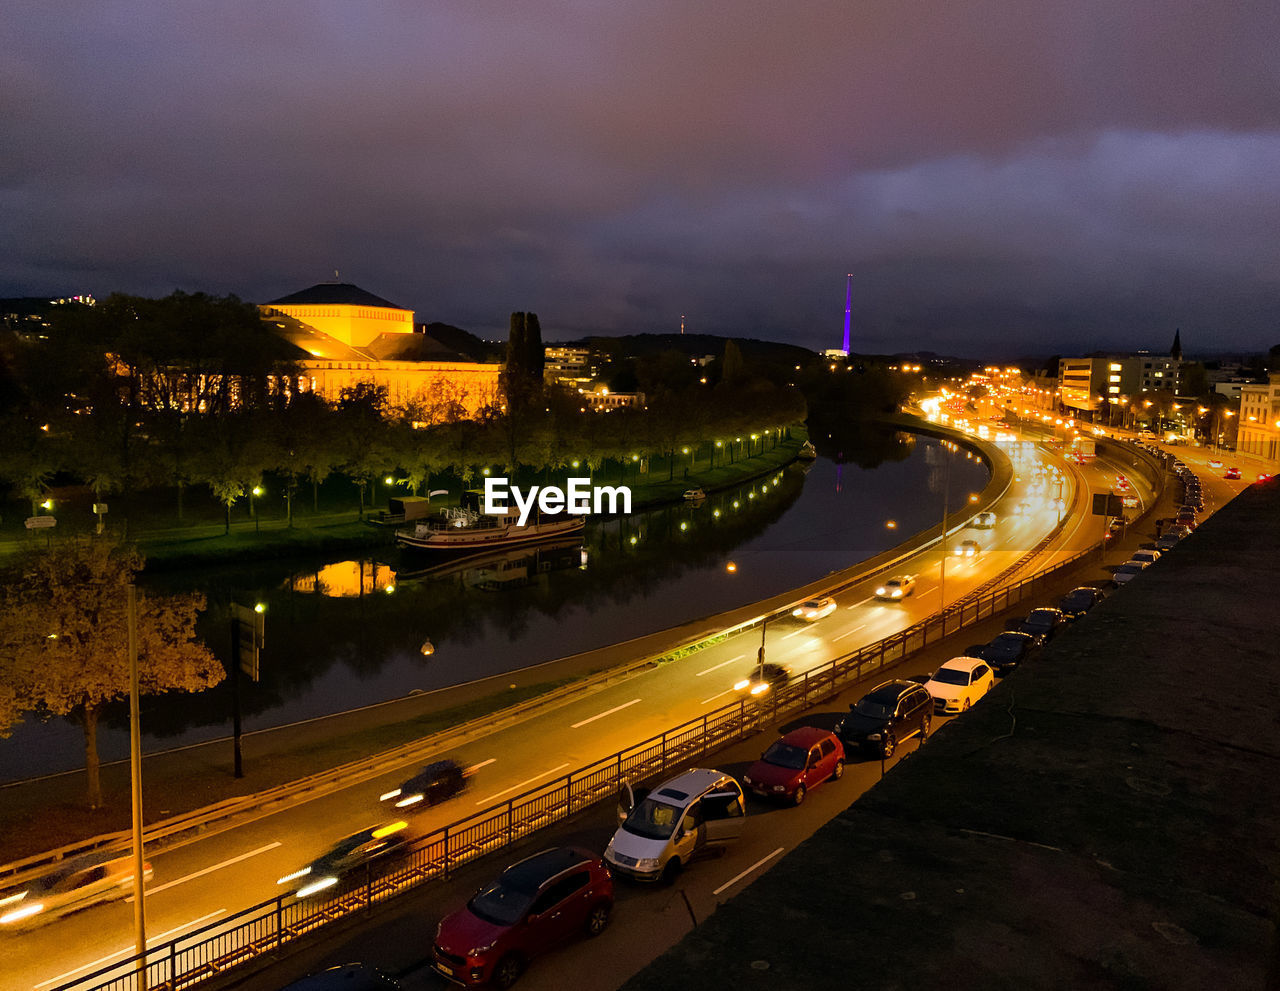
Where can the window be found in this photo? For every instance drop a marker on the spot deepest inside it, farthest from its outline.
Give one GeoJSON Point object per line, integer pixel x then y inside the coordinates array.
{"type": "Point", "coordinates": [559, 890]}
{"type": "Point", "coordinates": [722, 805]}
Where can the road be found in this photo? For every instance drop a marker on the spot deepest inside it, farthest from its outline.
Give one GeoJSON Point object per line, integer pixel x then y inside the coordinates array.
{"type": "Point", "coordinates": [205, 882]}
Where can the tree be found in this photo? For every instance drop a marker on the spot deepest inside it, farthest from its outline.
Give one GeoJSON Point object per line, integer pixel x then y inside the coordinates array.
{"type": "Point", "coordinates": [64, 639]}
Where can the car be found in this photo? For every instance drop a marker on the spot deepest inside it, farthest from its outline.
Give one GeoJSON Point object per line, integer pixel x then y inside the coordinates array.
{"type": "Point", "coordinates": [983, 521]}
{"type": "Point", "coordinates": [1006, 650]}
{"type": "Point", "coordinates": [1231, 473]}
{"type": "Point", "coordinates": [1114, 529]}
{"type": "Point", "coordinates": [897, 587]}
{"type": "Point", "coordinates": [347, 860]}
{"type": "Point", "coordinates": [1079, 601]}
{"type": "Point", "coordinates": [1167, 541]}
{"type": "Point", "coordinates": [959, 683]}
{"type": "Point", "coordinates": [76, 884]}
{"type": "Point", "coordinates": [815, 609]}
{"type": "Point", "coordinates": [533, 906]}
{"type": "Point", "coordinates": [1263, 476]}
{"type": "Point", "coordinates": [763, 678]}
{"type": "Point", "coordinates": [1179, 531]}
{"type": "Point", "coordinates": [1022, 509]}
{"type": "Point", "coordinates": [1186, 519]}
{"type": "Point", "coordinates": [795, 764]}
{"type": "Point", "coordinates": [432, 785]}
{"type": "Point", "coordinates": [1126, 572]}
{"type": "Point", "coordinates": [697, 812]}
{"type": "Point", "coordinates": [1043, 623]}
{"type": "Point", "coordinates": [1215, 463]}
{"type": "Point", "coordinates": [1150, 556]}
{"type": "Point", "coordinates": [968, 548]}
{"type": "Point", "coordinates": [345, 977]}
{"type": "Point", "coordinates": [885, 716]}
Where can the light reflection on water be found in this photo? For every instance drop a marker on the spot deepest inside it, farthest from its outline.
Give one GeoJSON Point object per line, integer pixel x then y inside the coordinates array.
{"type": "Point", "coordinates": [349, 633]}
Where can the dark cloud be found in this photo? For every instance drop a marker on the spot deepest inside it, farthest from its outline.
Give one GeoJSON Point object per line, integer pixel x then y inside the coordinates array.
{"type": "Point", "coordinates": [986, 169]}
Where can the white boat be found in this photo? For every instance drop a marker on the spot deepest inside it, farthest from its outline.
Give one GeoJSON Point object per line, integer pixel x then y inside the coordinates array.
{"type": "Point", "coordinates": [693, 495]}
{"type": "Point", "coordinates": [466, 529]}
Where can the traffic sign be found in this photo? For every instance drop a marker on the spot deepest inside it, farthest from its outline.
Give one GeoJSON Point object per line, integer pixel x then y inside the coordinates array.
{"type": "Point", "coordinates": [41, 522]}
{"type": "Point", "coordinates": [1107, 504]}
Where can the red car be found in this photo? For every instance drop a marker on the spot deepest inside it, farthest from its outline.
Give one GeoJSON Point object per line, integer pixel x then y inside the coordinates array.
{"type": "Point", "coordinates": [1232, 473]}
{"type": "Point", "coordinates": [534, 905]}
{"type": "Point", "coordinates": [801, 760]}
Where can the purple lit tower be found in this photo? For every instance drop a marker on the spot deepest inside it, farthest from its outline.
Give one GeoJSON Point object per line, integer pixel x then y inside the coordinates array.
{"type": "Point", "coordinates": [848, 308]}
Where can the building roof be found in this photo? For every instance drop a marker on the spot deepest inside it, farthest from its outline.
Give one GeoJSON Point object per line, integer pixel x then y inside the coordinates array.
{"type": "Point", "coordinates": [334, 294]}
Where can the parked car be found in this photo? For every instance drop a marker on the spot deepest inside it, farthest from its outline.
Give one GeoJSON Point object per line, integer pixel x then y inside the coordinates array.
{"type": "Point", "coordinates": [801, 760]}
{"type": "Point", "coordinates": [432, 785]}
{"type": "Point", "coordinates": [78, 883]}
{"type": "Point", "coordinates": [1006, 650]}
{"type": "Point", "coordinates": [1150, 556]}
{"type": "Point", "coordinates": [1080, 600]}
{"type": "Point", "coordinates": [959, 683]}
{"type": "Point", "coordinates": [533, 906]}
{"type": "Point", "coordinates": [346, 859]}
{"type": "Point", "coordinates": [697, 811]}
{"type": "Point", "coordinates": [984, 521]}
{"type": "Point", "coordinates": [1126, 572]}
{"type": "Point", "coordinates": [885, 716]}
{"type": "Point", "coordinates": [1232, 473]}
{"type": "Point", "coordinates": [968, 548]}
{"type": "Point", "coordinates": [345, 977]}
{"type": "Point", "coordinates": [1186, 519]}
{"type": "Point", "coordinates": [1167, 541]}
{"type": "Point", "coordinates": [763, 678]}
{"type": "Point", "coordinates": [815, 609]}
{"type": "Point", "coordinates": [1043, 623]}
{"type": "Point", "coordinates": [897, 587]}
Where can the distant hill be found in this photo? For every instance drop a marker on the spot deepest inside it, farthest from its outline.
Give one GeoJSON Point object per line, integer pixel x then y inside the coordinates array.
{"type": "Point", "coordinates": [462, 341]}
{"type": "Point", "coordinates": [694, 345]}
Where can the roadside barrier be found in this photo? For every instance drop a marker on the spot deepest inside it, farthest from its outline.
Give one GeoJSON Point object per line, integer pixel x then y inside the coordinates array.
{"type": "Point", "coordinates": [201, 955]}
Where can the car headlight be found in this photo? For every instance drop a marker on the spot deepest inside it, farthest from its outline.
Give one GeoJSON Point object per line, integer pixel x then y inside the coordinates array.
{"type": "Point", "coordinates": [646, 863]}
{"type": "Point", "coordinates": [759, 689]}
{"type": "Point", "coordinates": [22, 912]}
{"type": "Point", "coordinates": [476, 951]}
{"type": "Point", "coordinates": [410, 800]}
{"type": "Point", "coordinates": [897, 592]}
{"type": "Point", "coordinates": [797, 612]}
{"type": "Point", "coordinates": [294, 876]}
{"type": "Point", "coordinates": [880, 591]}
{"type": "Point", "coordinates": [307, 890]}
{"type": "Point", "coordinates": [740, 685]}
{"type": "Point", "coordinates": [387, 796]}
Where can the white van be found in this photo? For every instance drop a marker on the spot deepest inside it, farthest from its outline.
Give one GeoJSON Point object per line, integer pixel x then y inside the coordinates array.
{"type": "Point", "coordinates": [697, 811]}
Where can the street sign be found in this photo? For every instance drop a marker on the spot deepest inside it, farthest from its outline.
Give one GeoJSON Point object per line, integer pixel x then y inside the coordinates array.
{"type": "Point", "coordinates": [100, 508]}
{"type": "Point", "coordinates": [41, 522]}
{"type": "Point", "coordinates": [1107, 504]}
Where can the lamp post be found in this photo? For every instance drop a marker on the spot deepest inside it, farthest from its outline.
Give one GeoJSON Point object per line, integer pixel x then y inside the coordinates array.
{"type": "Point", "coordinates": [135, 777]}
{"type": "Point", "coordinates": [942, 567]}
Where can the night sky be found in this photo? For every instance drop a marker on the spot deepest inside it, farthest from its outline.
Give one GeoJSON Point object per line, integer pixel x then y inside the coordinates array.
{"type": "Point", "coordinates": [1000, 176]}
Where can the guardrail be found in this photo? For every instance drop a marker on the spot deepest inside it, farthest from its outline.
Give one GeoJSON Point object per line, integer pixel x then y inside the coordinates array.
{"type": "Point", "coordinates": [189, 960]}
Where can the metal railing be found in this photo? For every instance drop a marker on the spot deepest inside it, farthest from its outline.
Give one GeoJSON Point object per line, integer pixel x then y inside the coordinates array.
{"type": "Point", "coordinates": [198, 956]}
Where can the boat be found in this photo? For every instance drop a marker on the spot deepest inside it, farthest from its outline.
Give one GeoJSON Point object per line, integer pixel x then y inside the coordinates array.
{"type": "Point", "coordinates": [693, 495]}
{"type": "Point", "coordinates": [464, 529]}
{"type": "Point", "coordinates": [807, 452]}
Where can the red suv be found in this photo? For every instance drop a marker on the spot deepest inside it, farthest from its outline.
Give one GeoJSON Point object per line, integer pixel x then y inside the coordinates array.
{"type": "Point", "coordinates": [801, 760]}
{"type": "Point", "coordinates": [533, 905]}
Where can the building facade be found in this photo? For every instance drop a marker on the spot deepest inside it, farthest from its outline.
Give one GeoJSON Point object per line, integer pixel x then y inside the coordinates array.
{"type": "Point", "coordinates": [1259, 430]}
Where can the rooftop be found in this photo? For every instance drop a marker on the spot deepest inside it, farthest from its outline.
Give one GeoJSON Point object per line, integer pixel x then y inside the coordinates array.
{"type": "Point", "coordinates": [334, 294]}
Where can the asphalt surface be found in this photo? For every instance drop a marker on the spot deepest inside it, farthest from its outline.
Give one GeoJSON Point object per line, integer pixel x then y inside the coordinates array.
{"type": "Point", "coordinates": [204, 883]}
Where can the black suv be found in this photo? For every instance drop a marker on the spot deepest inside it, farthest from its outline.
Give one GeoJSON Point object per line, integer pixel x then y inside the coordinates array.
{"type": "Point", "coordinates": [430, 786]}
{"type": "Point", "coordinates": [1006, 651]}
{"type": "Point", "coordinates": [885, 716]}
{"type": "Point", "coordinates": [1079, 601]}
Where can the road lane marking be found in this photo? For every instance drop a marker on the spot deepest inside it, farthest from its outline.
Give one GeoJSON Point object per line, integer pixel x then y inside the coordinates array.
{"type": "Point", "coordinates": [763, 860]}
{"type": "Point", "coordinates": [860, 602]}
{"type": "Point", "coordinates": [717, 667]}
{"type": "Point", "coordinates": [527, 781]}
{"type": "Point", "coordinates": [475, 767]}
{"type": "Point", "coordinates": [608, 712]}
{"type": "Point", "coordinates": [209, 870]}
{"type": "Point", "coordinates": [790, 635]}
{"type": "Point", "coordinates": [849, 633]}
{"type": "Point", "coordinates": [727, 691]}
{"type": "Point", "coordinates": [129, 950]}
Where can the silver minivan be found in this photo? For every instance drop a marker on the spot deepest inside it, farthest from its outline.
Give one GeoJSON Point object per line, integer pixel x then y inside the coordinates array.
{"type": "Point", "coordinates": [695, 812]}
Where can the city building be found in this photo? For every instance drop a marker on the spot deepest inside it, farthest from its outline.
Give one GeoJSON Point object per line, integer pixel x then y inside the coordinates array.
{"type": "Point", "coordinates": [1259, 430]}
{"type": "Point", "coordinates": [572, 367]}
{"type": "Point", "coordinates": [602, 400]}
{"type": "Point", "coordinates": [350, 336]}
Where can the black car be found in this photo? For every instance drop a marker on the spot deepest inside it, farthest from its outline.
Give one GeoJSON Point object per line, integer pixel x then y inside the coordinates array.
{"type": "Point", "coordinates": [1079, 601]}
{"type": "Point", "coordinates": [1043, 623]}
{"type": "Point", "coordinates": [433, 784]}
{"type": "Point", "coordinates": [348, 977]}
{"type": "Point", "coordinates": [347, 860]}
{"type": "Point", "coordinates": [885, 716]}
{"type": "Point", "coordinates": [1006, 651]}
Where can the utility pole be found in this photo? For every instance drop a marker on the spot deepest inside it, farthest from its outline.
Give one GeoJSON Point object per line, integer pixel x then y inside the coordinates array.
{"type": "Point", "coordinates": [135, 769]}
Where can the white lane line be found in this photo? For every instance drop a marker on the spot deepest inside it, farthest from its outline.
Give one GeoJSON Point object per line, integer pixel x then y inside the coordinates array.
{"type": "Point", "coordinates": [790, 635]}
{"type": "Point", "coordinates": [527, 781]}
{"type": "Point", "coordinates": [608, 712]}
{"type": "Point", "coordinates": [209, 870]}
{"type": "Point", "coordinates": [128, 951]}
{"type": "Point", "coordinates": [475, 767]}
{"type": "Point", "coordinates": [717, 667]}
{"type": "Point", "coordinates": [727, 691]}
{"type": "Point", "coordinates": [763, 860]}
{"type": "Point", "coordinates": [848, 633]}
{"type": "Point", "coordinates": [860, 602]}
